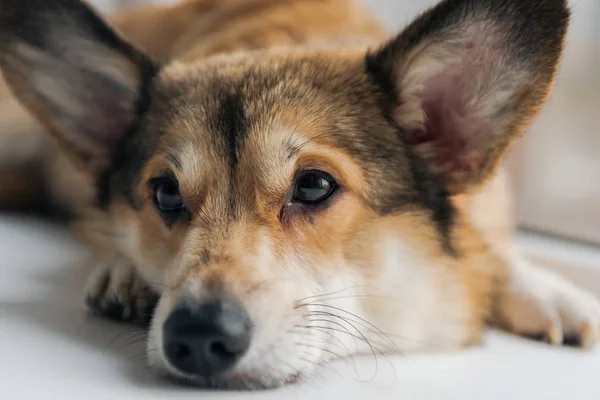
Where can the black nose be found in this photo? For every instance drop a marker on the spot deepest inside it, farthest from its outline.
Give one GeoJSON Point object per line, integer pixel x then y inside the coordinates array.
{"type": "Point", "coordinates": [208, 339]}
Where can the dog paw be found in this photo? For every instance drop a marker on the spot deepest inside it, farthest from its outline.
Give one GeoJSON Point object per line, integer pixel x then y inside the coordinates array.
{"type": "Point", "coordinates": [115, 291]}
{"type": "Point", "coordinates": [541, 304]}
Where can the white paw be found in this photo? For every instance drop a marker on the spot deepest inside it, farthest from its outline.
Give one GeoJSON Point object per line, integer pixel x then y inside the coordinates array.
{"type": "Point", "coordinates": [540, 303]}
{"type": "Point", "coordinates": [115, 291]}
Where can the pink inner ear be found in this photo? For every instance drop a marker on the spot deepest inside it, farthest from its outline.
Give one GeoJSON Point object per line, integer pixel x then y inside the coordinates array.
{"type": "Point", "coordinates": [453, 134]}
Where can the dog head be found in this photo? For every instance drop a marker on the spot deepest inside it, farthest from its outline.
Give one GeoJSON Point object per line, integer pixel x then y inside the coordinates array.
{"type": "Point", "coordinates": [280, 199]}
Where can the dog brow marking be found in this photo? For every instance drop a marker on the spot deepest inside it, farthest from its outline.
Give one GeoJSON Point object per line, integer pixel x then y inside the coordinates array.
{"type": "Point", "coordinates": [232, 124]}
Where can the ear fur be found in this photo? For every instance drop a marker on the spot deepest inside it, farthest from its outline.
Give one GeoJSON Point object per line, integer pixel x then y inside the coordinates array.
{"type": "Point", "coordinates": [464, 80]}
{"type": "Point", "coordinates": [75, 74]}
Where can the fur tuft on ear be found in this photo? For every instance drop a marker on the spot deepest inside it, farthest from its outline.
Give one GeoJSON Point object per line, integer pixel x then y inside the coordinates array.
{"type": "Point", "coordinates": [465, 79]}
{"type": "Point", "coordinates": [74, 74]}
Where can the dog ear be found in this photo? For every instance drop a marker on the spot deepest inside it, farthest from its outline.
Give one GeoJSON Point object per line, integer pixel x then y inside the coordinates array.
{"type": "Point", "coordinates": [82, 82]}
{"type": "Point", "coordinates": [464, 80]}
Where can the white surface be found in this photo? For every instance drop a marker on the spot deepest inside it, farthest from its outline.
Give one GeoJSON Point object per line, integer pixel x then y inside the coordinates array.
{"type": "Point", "coordinates": [51, 349]}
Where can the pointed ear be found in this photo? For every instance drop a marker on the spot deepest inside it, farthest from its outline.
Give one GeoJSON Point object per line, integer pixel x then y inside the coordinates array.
{"type": "Point", "coordinates": [82, 81]}
{"type": "Point", "coordinates": [464, 80]}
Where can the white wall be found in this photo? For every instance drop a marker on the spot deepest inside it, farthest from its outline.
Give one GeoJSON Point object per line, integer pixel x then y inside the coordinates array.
{"type": "Point", "coordinates": [398, 13]}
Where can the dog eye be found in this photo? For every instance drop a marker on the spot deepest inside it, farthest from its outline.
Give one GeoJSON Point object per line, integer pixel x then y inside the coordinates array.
{"type": "Point", "coordinates": [313, 187]}
{"type": "Point", "coordinates": [167, 197]}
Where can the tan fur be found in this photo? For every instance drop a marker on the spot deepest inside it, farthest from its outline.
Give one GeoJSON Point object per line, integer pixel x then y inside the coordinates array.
{"type": "Point", "coordinates": [275, 259]}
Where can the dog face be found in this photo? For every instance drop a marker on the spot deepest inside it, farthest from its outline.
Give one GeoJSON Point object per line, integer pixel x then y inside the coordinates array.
{"type": "Point", "coordinates": [291, 195]}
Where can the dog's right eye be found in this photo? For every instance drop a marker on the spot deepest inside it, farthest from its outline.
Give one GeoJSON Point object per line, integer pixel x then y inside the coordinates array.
{"type": "Point", "coordinates": [313, 187]}
{"type": "Point", "coordinates": [167, 198]}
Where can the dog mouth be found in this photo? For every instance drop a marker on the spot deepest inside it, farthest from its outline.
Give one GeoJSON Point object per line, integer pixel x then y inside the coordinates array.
{"type": "Point", "coordinates": [233, 381]}
{"type": "Point", "coordinates": [208, 347]}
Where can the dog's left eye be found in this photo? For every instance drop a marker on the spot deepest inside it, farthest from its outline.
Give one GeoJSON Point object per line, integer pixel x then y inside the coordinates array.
{"type": "Point", "coordinates": [167, 198]}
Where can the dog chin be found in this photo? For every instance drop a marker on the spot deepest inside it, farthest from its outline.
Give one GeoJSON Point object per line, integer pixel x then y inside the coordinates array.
{"type": "Point", "coordinates": [231, 381]}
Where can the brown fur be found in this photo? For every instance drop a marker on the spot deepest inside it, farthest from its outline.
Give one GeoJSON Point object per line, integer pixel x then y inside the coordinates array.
{"type": "Point", "coordinates": [253, 93]}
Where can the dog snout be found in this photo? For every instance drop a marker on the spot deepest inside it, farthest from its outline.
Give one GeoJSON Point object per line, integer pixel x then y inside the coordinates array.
{"type": "Point", "coordinates": [207, 339]}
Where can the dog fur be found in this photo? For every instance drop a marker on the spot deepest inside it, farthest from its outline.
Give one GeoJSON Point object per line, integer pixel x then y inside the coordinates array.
{"type": "Point", "coordinates": [231, 99]}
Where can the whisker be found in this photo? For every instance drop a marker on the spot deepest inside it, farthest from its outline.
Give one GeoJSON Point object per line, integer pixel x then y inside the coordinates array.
{"type": "Point", "coordinates": [369, 344]}
{"type": "Point", "coordinates": [361, 338]}
{"type": "Point", "coordinates": [140, 358]}
{"type": "Point", "coordinates": [342, 326]}
{"type": "Point", "coordinates": [331, 322]}
{"type": "Point", "coordinates": [299, 302]}
{"type": "Point", "coordinates": [360, 322]}
{"type": "Point", "coordinates": [344, 346]}
{"type": "Point", "coordinates": [322, 365]}
{"type": "Point", "coordinates": [132, 331]}
{"type": "Point", "coordinates": [139, 338]}
{"type": "Point", "coordinates": [345, 360]}
{"type": "Point", "coordinates": [356, 337]}
{"type": "Point", "coordinates": [356, 296]}
{"type": "Point", "coordinates": [339, 343]}
{"type": "Point", "coordinates": [388, 342]}
{"type": "Point", "coordinates": [285, 363]}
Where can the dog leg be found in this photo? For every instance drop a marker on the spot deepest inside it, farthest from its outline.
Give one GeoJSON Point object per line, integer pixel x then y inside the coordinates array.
{"type": "Point", "coordinates": [116, 291]}
{"type": "Point", "coordinates": [539, 303]}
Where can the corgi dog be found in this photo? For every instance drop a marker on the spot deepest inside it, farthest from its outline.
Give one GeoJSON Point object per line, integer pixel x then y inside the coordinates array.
{"type": "Point", "coordinates": [270, 184]}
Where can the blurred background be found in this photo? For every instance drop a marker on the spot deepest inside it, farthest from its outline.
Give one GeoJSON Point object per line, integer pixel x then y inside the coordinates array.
{"type": "Point", "coordinates": [556, 168]}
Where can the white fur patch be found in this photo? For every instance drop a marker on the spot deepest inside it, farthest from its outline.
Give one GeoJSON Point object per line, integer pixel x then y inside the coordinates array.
{"type": "Point", "coordinates": [428, 309]}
